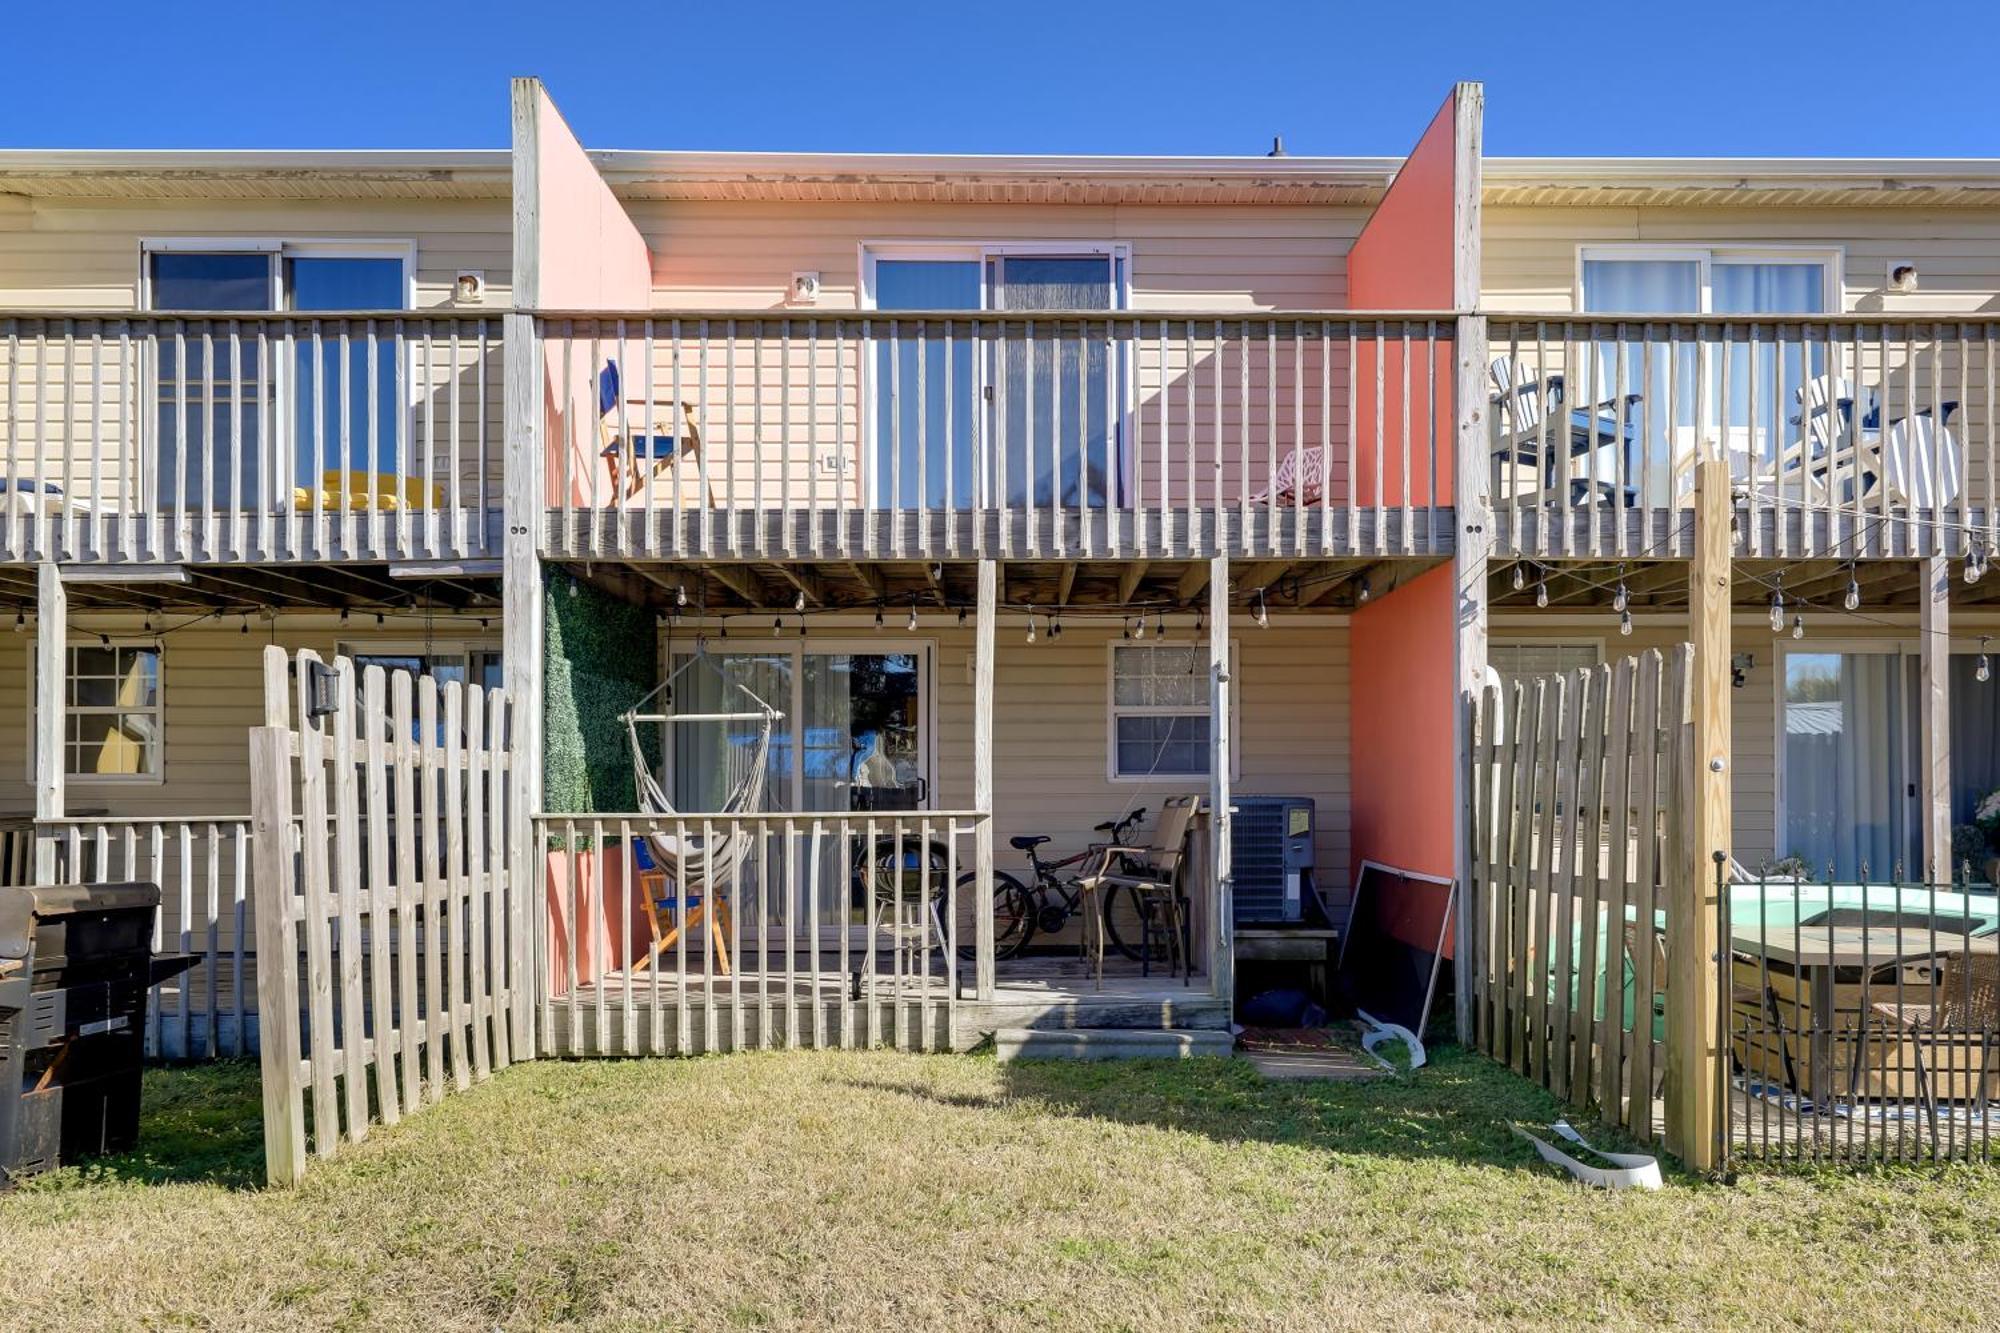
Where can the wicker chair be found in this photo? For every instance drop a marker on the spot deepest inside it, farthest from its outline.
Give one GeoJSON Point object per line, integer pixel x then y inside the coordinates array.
{"type": "Point", "coordinates": [1968, 1000]}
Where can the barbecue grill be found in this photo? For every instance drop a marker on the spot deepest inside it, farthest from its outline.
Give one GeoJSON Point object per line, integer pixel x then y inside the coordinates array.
{"type": "Point", "coordinates": [76, 968]}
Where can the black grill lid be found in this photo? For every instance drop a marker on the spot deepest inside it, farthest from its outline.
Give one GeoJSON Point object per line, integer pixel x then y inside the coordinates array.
{"type": "Point", "coordinates": [21, 908]}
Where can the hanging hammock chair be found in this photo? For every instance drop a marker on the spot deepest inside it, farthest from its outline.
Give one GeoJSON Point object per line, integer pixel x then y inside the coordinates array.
{"type": "Point", "coordinates": [699, 864]}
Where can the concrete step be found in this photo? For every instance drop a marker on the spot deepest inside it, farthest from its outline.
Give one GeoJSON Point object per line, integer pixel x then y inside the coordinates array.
{"type": "Point", "coordinates": [1108, 1044]}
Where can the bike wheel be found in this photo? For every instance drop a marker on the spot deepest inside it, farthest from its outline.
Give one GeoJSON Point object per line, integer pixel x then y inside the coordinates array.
{"type": "Point", "coordinates": [1128, 916]}
{"type": "Point", "coordinates": [1013, 915]}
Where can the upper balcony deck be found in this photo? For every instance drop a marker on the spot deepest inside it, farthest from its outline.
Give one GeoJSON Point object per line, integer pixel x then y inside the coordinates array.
{"type": "Point", "coordinates": [1850, 437]}
{"type": "Point", "coordinates": [886, 435]}
{"type": "Point", "coordinates": [250, 438]}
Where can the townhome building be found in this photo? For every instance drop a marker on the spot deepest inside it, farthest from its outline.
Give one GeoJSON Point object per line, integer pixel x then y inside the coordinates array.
{"type": "Point", "coordinates": [967, 505]}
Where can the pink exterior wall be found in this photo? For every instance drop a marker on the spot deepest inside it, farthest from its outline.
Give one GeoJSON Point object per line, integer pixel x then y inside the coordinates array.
{"type": "Point", "coordinates": [588, 256]}
{"type": "Point", "coordinates": [1400, 700]}
{"type": "Point", "coordinates": [1403, 261]}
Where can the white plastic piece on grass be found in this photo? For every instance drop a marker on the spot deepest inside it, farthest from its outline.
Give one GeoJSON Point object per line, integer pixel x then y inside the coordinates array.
{"type": "Point", "coordinates": [1379, 1032]}
{"type": "Point", "coordinates": [1628, 1170]}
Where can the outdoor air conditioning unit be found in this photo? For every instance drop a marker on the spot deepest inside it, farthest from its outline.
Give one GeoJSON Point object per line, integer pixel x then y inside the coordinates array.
{"type": "Point", "coordinates": [1271, 852]}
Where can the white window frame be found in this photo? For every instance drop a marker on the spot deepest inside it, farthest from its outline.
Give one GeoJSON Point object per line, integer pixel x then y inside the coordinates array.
{"type": "Point", "coordinates": [1113, 710]}
{"type": "Point", "coordinates": [926, 650]}
{"type": "Point", "coordinates": [981, 253]}
{"type": "Point", "coordinates": [462, 648]}
{"type": "Point", "coordinates": [158, 711]}
{"type": "Point", "coordinates": [1831, 259]}
{"type": "Point", "coordinates": [1594, 642]}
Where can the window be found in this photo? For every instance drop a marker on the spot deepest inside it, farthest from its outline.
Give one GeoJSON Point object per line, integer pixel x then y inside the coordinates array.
{"type": "Point", "coordinates": [1523, 660]}
{"type": "Point", "coordinates": [1849, 762]}
{"type": "Point", "coordinates": [112, 731]}
{"type": "Point", "coordinates": [1159, 711]}
{"type": "Point", "coordinates": [470, 666]}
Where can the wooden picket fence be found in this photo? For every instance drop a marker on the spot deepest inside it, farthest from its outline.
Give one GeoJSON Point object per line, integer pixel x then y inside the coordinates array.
{"type": "Point", "coordinates": [1580, 786]}
{"type": "Point", "coordinates": [393, 942]}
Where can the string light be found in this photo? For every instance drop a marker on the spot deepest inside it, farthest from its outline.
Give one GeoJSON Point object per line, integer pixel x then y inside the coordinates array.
{"type": "Point", "coordinates": [1263, 616]}
{"type": "Point", "coordinates": [1853, 599]}
{"type": "Point", "coordinates": [1798, 626]}
{"type": "Point", "coordinates": [1777, 611]}
{"type": "Point", "coordinates": [777, 626]}
{"type": "Point", "coordinates": [1139, 626]}
{"type": "Point", "coordinates": [1619, 599]}
{"type": "Point", "coordinates": [799, 602]}
{"type": "Point", "coordinates": [1625, 622]}
{"type": "Point", "coordinates": [1975, 564]}
{"type": "Point", "coordinates": [680, 594]}
{"type": "Point", "coordinates": [1363, 592]}
{"type": "Point", "coordinates": [1982, 670]}
{"type": "Point", "coordinates": [245, 629]}
{"type": "Point", "coordinates": [961, 617]}
{"type": "Point", "coordinates": [1159, 624]}
{"type": "Point", "coordinates": [572, 585]}
{"type": "Point", "coordinates": [911, 624]}
{"type": "Point", "coordinates": [878, 617]}
{"type": "Point", "coordinates": [20, 620]}
{"type": "Point", "coordinates": [1542, 591]}
{"type": "Point", "coordinates": [1031, 627]}
{"type": "Point", "coordinates": [1520, 578]}
{"type": "Point", "coordinates": [802, 627]}
{"type": "Point", "coordinates": [1055, 627]}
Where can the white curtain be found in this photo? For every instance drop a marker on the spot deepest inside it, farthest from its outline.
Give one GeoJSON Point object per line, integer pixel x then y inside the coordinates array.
{"type": "Point", "coordinates": [1843, 750]}
{"type": "Point", "coordinates": [1975, 737]}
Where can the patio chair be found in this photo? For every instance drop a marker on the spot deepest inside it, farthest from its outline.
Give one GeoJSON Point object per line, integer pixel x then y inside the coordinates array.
{"type": "Point", "coordinates": [1152, 874]}
{"type": "Point", "coordinates": [1535, 423]}
{"type": "Point", "coordinates": [1968, 1001]}
{"type": "Point", "coordinates": [1845, 456]}
{"type": "Point", "coordinates": [671, 911]}
{"type": "Point", "coordinates": [1300, 467]}
{"type": "Point", "coordinates": [633, 456]}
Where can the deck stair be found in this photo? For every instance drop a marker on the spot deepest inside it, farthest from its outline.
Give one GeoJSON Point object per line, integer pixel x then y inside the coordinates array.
{"type": "Point", "coordinates": [1109, 1043]}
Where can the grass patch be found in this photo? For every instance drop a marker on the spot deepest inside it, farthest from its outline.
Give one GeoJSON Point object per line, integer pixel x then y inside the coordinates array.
{"type": "Point", "coordinates": [877, 1191]}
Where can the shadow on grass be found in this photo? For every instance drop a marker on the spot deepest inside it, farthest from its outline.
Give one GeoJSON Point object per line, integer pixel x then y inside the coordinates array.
{"type": "Point", "coordinates": [199, 1124]}
{"type": "Point", "coordinates": [1457, 1108]}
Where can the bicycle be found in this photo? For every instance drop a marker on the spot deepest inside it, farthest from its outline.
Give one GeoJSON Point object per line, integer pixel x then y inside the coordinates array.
{"type": "Point", "coordinates": [1021, 911]}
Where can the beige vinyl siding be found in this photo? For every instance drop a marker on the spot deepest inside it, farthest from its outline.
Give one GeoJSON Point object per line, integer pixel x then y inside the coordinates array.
{"type": "Point", "coordinates": [84, 254]}
{"type": "Point", "coordinates": [1052, 732]}
{"type": "Point", "coordinates": [1529, 255]}
{"type": "Point", "coordinates": [1224, 258]}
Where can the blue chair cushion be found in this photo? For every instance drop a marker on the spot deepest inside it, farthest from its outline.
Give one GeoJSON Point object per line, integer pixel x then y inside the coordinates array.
{"type": "Point", "coordinates": [39, 487]}
{"type": "Point", "coordinates": [644, 446]}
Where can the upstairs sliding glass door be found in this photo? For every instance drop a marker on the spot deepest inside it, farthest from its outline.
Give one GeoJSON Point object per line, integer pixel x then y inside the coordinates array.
{"type": "Point", "coordinates": [332, 408]}
{"type": "Point", "coordinates": [1044, 402]}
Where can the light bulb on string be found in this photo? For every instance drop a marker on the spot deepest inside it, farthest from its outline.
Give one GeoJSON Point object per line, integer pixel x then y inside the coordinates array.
{"type": "Point", "coordinates": [961, 617]}
{"type": "Point", "coordinates": [878, 617]}
{"type": "Point", "coordinates": [1982, 670]}
{"type": "Point", "coordinates": [1055, 627]}
{"type": "Point", "coordinates": [802, 627]}
{"type": "Point", "coordinates": [20, 620]}
{"type": "Point", "coordinates": [911, 623]}
{"type": "Point", "coordinates": [1159, 624]}
{"type": "Point", "coordinates": [1619, 600]}
{"type": "Point", "coordinates": [1975, 564]}
{"type": "Point", "coordinates": [777, 626]}
{"type": "Point", "coordinates": [1853, 599]}
{"type": "Point", "coordinates": [799, 602]}
{"type": "Point", "coordinates": [1031, 627]}
{"type": "Point", "coordinates": [1798, 626]}
{"type": "Point", "coordinates": [1139, 626]}
{"type": "Point", "coordinates": [1263, 615]}
{"type": "Point", "coordinates": [1777, 613]}
{"type": "Point", "coordinates": [680, 594]}
{"type": "Point", "coordinates": [1542, 591]}
{"type": "Point", "coordinates": [1363, 592]}
{"type": "Point", "coordinates": [1520, 578]}
{"type": "Point", "coordinates": [1625, 622]}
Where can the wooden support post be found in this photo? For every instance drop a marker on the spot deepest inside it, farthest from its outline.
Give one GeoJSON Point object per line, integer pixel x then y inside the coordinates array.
{"type": "Point", "coordinates": [51, 696]}
{"type": "Point", "coordinates": [1472, 508]}
{"type": "Point", "coordinates": [1934, 716]}
{"type": "Point", "coordinates": [982, 776]}
{"type": "Point", "coordinates": [1221, 907]}
{"type": "Point", "coordinates": [1694, 1121]}
{"type": "Point", "coordinates": [278, 1001]}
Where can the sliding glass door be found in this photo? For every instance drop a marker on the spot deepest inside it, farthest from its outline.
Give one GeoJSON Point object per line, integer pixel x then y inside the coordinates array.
{"type": "Point", "coordinates": [1046, 407]}
{"type": "Point", "coordinates": [335, 406]}
{"type": "Point", "coordinates": [1848, 777]}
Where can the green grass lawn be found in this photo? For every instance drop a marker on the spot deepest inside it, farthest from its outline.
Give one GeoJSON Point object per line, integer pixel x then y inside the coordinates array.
{"type": "Point", "coordinates": [887, 1192]}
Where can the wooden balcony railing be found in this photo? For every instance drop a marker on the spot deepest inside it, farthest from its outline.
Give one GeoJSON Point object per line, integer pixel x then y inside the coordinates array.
{"type": "Point", "coordinates": [249, 437]}
{"type": "Point", "coordinates": [1055, 435]}
{"type": "Point", "coordinates": [1847, 435]}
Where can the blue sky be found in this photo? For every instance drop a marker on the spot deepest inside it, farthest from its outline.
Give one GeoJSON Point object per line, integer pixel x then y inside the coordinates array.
{"type": "Point", "coordinates": [1831, 78]}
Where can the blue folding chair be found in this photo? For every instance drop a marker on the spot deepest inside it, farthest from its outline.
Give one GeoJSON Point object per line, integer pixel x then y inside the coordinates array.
{"type": "Point", "coordinates": [633, 454]}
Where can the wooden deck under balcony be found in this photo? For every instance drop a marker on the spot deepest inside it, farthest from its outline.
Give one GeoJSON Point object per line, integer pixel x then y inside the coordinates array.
{"type": "Point", "coordinates": [884, 435]}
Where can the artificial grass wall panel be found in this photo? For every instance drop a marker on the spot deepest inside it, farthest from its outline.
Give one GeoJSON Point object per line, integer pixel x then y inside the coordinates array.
{"type": "Point", "coordinates": [600, 658]}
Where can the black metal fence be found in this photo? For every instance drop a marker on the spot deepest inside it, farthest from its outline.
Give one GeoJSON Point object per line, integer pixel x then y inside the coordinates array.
{"type": "Point", "coordinates": [1859, 1018]}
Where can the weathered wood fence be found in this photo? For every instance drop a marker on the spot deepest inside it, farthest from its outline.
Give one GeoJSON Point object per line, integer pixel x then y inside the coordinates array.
{"type": "Point", "coordinates": [1580, 789]}
{"type": "Point", "coordinates": [391, 938]}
